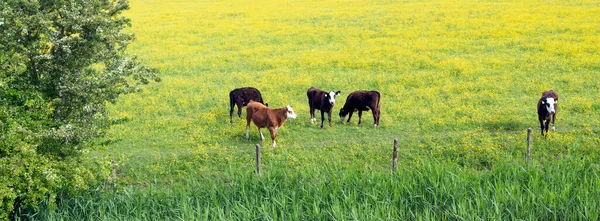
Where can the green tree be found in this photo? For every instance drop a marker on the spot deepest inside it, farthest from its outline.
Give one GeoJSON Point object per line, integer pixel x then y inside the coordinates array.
{"type": "Point", "coordinates": [61, 61]}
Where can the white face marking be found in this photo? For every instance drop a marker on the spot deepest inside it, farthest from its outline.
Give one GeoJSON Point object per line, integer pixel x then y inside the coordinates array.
{"type": "Point", "coordinates": [290, 112]}
{"type": "Point", "coordinates": [332, 97]}
{"type": "Point", "coordinates": [550, 105]}
{"type": "Point", "coordinates": [342, 119]}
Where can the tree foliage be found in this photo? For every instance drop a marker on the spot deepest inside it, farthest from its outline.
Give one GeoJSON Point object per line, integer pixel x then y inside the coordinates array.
{"type": "Point", "coordinates": [61, 61]}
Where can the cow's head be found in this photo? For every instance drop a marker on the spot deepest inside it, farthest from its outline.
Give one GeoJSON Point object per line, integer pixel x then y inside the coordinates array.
{"type": "Point", "coordinates": [550, 104]}
{"type": "Point", "coordinates": [343, 114]}
{"type": "Point", "coordinates": [331, 96]}
{"type": "Point", "coordinates": [290, 112]}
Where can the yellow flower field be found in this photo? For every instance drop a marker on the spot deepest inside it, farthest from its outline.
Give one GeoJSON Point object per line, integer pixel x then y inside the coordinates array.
{"type": "Point", "coordinates": [458, 79]}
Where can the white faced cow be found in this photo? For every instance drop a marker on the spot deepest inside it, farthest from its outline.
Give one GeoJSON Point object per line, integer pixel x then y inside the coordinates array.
{"type": "Point", "coordinates": [546, 108]}
{"type": "Point", "coordinates": [241, 97]}
{"type": "Point", "coordinates": [361, 101]}
{"type": "Point", "coordinates": [320, 100]}
{"type": "Point", "coordinates": [271, 118]}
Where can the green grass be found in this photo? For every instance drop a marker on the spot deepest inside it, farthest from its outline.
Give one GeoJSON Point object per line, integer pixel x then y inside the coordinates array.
{"type": "Point", "coordinates": [459, 83]}
{"type": "Point", "coordinates": [430, 190]}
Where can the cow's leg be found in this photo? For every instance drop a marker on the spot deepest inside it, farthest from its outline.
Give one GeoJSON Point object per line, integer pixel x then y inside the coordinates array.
{"type": "Point", "coordinates": [542, 126]}
{"type": "Point", "coordinates": [261, 134]}
{"type": "Point", "coordinates": [553, 120]}
{"type": "Point", "coordinates": [312, 115]}
{"type": "Point", "coordinates": [247, 130]}
{"type": "Point", "coordinates": [240, 105]}
{"type": "Point", "coordinates": [248, 120]}
{"type": "Point", "coordinates": [273, 135]}
{"type": "Point", "coordinates": [359, 116]}
{"type": "Point", "coordinates": [375, 118]}
{"type": "Point", "coordinates": [322, 118]}
{"type": "Point", "coordinates": [329, 117]}
{"type": "Point", "coordinates": [349, 116]}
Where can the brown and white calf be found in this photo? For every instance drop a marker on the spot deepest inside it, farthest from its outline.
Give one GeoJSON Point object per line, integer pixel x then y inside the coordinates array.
{"type": "Point", "coordinates": [361, 101]}
{"type": "Point", "coordinates": [320, 100]}
{"type": "Point", "coordinates": [271, 118]}
{"type": "Point", "coordinates": [241, 97]}
{"type": "Point", "coordinates": [546, 108]}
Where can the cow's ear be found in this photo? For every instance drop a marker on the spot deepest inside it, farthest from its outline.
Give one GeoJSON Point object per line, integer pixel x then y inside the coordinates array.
{"type": "Point", "coordinates": [337, 92]}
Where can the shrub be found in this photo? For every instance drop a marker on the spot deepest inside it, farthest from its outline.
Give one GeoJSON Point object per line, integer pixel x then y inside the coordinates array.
{"type": "Point", "coordinates": [60, 63]}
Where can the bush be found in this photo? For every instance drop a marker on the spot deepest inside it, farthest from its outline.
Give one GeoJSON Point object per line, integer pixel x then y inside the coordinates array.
{"type": "Point", "coordinates": [60, 63]}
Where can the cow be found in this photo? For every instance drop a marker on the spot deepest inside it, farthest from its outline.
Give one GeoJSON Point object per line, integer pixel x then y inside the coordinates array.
{"type": "Point", "coordinates": [361, 101]}
{"type": "Point", "coordinates": [241, 97]}
{"type": "Point", "coordinates": [546, 108]}
{"type": "Point", "coordinates": [320, 100]}
{"type": "Point", "coordinates": [271, 118]}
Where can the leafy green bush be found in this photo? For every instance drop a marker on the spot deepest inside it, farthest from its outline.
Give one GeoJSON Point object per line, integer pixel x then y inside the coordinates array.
{"type": "Point", "coordinates": [60, 63]}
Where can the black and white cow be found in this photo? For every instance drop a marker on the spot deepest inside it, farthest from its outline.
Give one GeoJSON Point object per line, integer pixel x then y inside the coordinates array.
{"type": "Point", "coordinates": [361, 101]}
{"type": "Point", "coordinates": [546, 108]}
{"type": "Point", "coordinates": [241, 97]}
{"type": "Point", "coordinates": [320, 100]}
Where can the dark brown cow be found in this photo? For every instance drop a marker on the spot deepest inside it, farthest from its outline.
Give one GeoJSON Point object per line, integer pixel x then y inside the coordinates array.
{"type": "Point", "coordinates": [241, 97]}
{"type": "Point", "coordinates": [320, 100]}
{"type": "Point", "coordinates": [271, 118]}
{"type": "Point", "coordinates": [546, 108]}
{"type": "Point", "coordinates": [361, 101]}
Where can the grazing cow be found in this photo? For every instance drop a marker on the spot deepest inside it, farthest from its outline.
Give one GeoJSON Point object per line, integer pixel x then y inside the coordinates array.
{"type": "Point", "coordinates": [241, 97]}
{"type": "Point", "coordinates": [546, 108]}
{"type": "Point", "coordinates": [321, 100]}
{"type": "Point", "coordinates": [271, 118]}
{"type": "Point", "coordinates": [361, 101]}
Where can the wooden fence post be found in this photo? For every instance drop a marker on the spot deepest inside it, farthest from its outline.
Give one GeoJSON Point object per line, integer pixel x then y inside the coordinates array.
{"type": "Point", "coordinates": [528, 143]}
{"type": "Point", "coordinates": [395, 155]}
{"type": "Point", "coordinates": [258, 159]}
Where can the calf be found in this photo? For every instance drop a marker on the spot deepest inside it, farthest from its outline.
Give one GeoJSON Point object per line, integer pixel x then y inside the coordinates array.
{"type": "Point", "coordinates": [271, 118]}
{"type": "Point", "coordinates": [361, 101]}
{"type": "Point", "coordinates": [241, 97]}
{"type": "Point", "coordinates": [320, 100]}
{"type": "Point", "coordinates": [546, 108]}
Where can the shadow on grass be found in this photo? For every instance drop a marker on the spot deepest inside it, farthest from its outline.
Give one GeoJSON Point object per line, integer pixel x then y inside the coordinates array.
{"type": "Point", "coordinates": [505, 126]}
{"type": "Point", "coordinates": [120, 121]}
{"type": "Point", "coordinates": [109, 142]}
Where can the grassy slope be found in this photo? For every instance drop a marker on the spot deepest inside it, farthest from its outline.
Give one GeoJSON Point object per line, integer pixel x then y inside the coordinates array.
{"type": "Point", "coordinates": [459, 83]}
{"type": "Point", "coordinates": [455, 78]}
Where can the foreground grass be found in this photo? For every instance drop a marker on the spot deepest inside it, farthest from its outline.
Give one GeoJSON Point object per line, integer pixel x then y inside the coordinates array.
{"type": "Point", "coordinates": [459, 84]}
{"type": "Point", "coordinates": [563, 190]}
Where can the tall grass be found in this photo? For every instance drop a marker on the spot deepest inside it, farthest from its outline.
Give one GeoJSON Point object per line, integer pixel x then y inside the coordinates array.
{"type": "Point", "coordinates": [562, 190]}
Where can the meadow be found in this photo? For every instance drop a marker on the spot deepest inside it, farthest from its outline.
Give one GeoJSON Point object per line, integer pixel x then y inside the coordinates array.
{"type": "Point", "coordinates": [459, 83]}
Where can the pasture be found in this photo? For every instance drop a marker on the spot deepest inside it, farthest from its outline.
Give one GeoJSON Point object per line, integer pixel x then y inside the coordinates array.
{"type": "Point", "coordinates": [459, 83]}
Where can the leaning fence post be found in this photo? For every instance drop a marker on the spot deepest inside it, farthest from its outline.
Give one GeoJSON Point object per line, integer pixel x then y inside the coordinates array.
{"type": "Point", "coordinates": [528, 143]}
{"type": "Point", "coordinates": [258, 159]}
{"type": "Point", "coordinates": [395, 155]}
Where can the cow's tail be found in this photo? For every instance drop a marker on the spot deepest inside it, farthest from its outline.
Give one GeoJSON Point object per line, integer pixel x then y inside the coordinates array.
{"type": "Point", "coordinates": [261, 100]}
{"type": "Point", "coordinates": [378, 99]}
{"type": "Point", "coordinates": [231, 105]}
{"type": "Point", "coordinates": [231, 101]}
